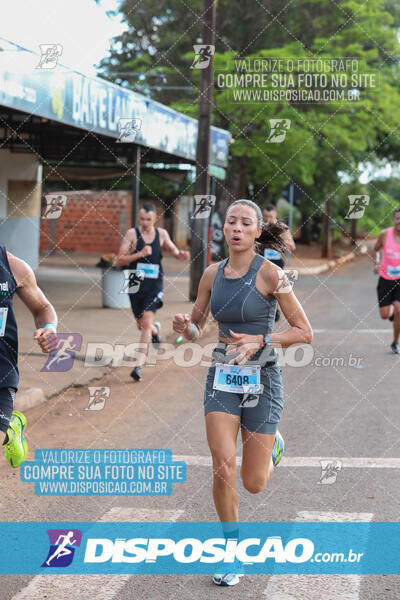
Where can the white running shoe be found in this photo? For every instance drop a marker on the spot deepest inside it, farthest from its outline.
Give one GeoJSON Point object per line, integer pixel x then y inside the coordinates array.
{"type": "Point", "coordinates": [227, 579]}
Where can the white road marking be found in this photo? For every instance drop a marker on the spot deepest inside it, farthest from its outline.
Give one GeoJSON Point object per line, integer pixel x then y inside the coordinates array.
{"type": "Point", "coordinates": [307, 461]}
{"type": "Point", "coordinates": [387, 330]}
{"type": "Point", "coordinates": [333, 517]}
{"type": "Point", "coordinates": [82, 587]}
{"type": "Point", "coordinates": [318, 587]}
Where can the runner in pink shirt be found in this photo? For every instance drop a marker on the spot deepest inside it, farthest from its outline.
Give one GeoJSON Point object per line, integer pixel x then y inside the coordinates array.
{"type": "Point", "coordinates": [389, 276]}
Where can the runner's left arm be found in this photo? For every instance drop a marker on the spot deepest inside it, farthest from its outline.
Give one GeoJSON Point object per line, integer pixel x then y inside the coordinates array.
{"type": "Point", "coordinates": [169, 245]}
{"type": "Point", "coordinates": [300, 331]}
{"type": "Point", "coordinates": [33, 297]}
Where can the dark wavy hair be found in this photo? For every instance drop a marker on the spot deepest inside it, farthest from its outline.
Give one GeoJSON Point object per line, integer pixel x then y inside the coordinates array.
{"type": "Point", "coordinates": [271, 235]}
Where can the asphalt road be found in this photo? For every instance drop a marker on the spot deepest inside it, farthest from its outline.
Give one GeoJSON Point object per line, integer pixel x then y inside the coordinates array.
{"type": "Point", "coordinates": [343, 405]}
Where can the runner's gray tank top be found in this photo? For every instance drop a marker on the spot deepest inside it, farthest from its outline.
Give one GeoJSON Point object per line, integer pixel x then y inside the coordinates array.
{"type": "Point", "coordinates": [238, 305]}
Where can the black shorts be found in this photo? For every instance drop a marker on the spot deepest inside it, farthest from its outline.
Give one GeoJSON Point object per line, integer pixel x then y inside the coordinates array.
{"type": "Point", "coordinates": [7, 397]}
{"type": "Point", "coordinates": [279, 262]}
{"type": "Point", "coordinates": [388, 291]}
{"type": "Point", "coordinates": [141, 303]}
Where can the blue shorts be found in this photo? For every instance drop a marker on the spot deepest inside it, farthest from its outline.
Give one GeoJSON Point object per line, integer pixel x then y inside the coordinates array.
{"type": "Point", "coordinates": [258, 413]}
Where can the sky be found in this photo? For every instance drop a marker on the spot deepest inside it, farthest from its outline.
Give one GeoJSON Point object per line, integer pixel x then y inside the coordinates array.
{"type": "Point", "coordinates": [82, 27]}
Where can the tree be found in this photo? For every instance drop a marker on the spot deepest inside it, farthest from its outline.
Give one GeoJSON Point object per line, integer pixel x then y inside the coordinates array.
{"type": "Point", "coordinates": [326, 142]}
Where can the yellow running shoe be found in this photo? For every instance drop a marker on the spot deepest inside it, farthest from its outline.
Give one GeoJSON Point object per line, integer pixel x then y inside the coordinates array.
{"type": "Point", "coordinates": [16, 449]}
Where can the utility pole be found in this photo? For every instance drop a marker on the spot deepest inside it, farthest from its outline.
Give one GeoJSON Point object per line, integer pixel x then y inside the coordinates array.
{"type": "Point", "coordinates": [326, 228]}
{"type": "Point", "coordinates": [199, 227]}
{"type": "Point", "coordinates": [135, 183]}
{"type": "Point", "coordinates": [354, 232]}
{"type": "Point", "coordinates": [291, 203]}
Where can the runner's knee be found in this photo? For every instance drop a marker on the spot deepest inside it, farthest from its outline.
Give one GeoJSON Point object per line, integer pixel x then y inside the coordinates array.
{"type": "Point", "coordinates": [385, 312]}
{"type": "Point", "coordinates": [145, 323]}
{"type": "Point", "coordinates": [224, 467]}
{"type": "Point", "coordinates": [254, 482]}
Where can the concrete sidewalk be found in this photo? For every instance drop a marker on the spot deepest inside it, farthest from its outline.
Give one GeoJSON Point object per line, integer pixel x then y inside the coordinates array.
{"type": "Point", "coordinates": [73, 285]}
{"type": "Point", "coordinates": [75, 291]}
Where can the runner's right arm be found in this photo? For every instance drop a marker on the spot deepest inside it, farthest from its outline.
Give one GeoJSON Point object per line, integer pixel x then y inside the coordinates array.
{"type": "Point", "coordinates": [32, 296]}
{"type": "Point", "coordinates": [128, 243]}
{"type": "Point", "coordinates": [380, 242]}
{"type": "Point", "coordinates": [182, 322]}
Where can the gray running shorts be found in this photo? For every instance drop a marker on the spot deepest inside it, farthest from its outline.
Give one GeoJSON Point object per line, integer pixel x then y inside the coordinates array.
{"type": "Point", "coordinates": [258, 413]}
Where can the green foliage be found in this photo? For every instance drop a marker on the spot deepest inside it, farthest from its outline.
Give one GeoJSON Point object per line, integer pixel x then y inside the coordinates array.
{"type": "Point", "coordinates": [325, 139]}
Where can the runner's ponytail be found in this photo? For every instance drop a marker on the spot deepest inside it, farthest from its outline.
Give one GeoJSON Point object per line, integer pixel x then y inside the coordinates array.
{"type": "Point", "coordinates": [273, 236]}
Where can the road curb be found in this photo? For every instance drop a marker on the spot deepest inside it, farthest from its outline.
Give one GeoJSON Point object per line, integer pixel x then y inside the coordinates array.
{"type": "Point", "coordinates": [322, 268]}
{"type": "Point", "coordinates": [29, 398]}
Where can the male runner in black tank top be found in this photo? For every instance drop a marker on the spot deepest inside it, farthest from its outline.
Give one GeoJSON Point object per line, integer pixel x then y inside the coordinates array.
{"type": "Point", "coordinates": [140, 250]}
{"type": "Point", "coordinates": [17, 277]}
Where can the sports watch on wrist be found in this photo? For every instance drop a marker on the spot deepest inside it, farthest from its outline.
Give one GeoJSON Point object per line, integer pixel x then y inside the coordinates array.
{"type": "Point", "coordinates": [267, 340]}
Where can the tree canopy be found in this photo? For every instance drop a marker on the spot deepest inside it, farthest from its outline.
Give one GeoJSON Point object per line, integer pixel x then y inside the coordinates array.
{"type": "Point", "coordinates": [326, 141]}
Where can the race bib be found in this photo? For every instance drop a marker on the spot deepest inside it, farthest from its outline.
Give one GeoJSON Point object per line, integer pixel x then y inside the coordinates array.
{"type": "Point", "coordinates": [3, 320]}
{"type": "Point", "coordinates": [150, 270]}
{"type": "Point", "coordinates": [393, 271]}
{"type": "Point", "coordinates": [237, 379]}
{"type": "Point", "coordinates": [271, 254]}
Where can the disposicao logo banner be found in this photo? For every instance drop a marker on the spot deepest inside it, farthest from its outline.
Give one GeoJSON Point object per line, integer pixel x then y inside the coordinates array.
{"type": "Point", "coordinates": [189, 548]}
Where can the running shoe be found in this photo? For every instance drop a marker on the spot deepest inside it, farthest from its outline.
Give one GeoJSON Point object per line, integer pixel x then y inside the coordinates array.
{"type": "Point", "coordinates": [156, 338]}
{"type": "Point", "coordinates": [226, 579]}
{"type": "Point", "coordinates": [395, 348]}
{"type": "Point", "coordinates": [136, 373]}
{"type": "Point", "coordinates": [278, 449]}
{"type": "Point", "coordinates": [16, 449]}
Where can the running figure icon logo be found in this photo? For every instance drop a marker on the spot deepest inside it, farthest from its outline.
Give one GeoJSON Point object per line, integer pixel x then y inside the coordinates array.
{"type": "Point", "coordinates": [62, 355]}
{"type": "Point", "coordinates": [203, 206]}
{"type": "Point", "coordinates": [357, 206]}
{"type": "Point", "coordinates": [279, 129]}
{"type": "Point", "coordinates": [133, 279]}
{"type": "Point", "coordinates": [202, 56]}
{"type": "Point", "coordinates": [128, 129]}
{"type": "Point", "coordinates": [97, 397]}
{"type": "Point", "coordinates": [252, 396]}
{"type": "Point", "coordinates": [286, 280]}
{"type": "Point", "coordinates": [329, 471]}
{"type": "Point", "coordinates": [63, 543]}
{"type": "Point", "coordinates": [54, 205]}
{"type": "Point", "coordinates": [50, 53]}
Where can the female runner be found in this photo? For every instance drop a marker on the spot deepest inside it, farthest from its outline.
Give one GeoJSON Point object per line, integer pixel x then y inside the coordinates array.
{"type": "Point", "coordinates": [244, 384]}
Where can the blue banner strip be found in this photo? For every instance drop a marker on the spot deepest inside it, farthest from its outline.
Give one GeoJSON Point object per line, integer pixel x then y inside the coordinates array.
{"type": "Point", "coordinates": [190, 548]}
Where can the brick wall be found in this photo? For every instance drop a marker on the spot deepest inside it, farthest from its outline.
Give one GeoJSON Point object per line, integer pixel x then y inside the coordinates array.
{"type": "Point", "coordinates": [90, 222]}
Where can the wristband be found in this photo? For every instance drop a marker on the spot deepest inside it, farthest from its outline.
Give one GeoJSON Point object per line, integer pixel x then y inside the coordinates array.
{"type": "Point", "coordinates": [50, 326]}
{"type": "Point", "coordinates": [194, 331]}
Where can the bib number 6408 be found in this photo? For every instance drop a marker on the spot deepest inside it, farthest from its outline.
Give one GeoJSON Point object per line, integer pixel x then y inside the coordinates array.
{"type": "Point", "coordinates": [237, 379]}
